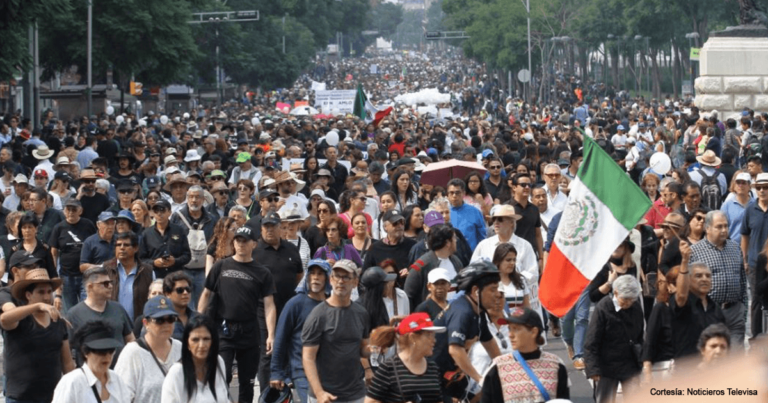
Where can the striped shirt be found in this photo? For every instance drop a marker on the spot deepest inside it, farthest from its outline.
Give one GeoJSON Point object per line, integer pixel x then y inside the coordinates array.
{"type": "Point", "coordinates": [514, 296]}
{"type": "Point", "coordinates": [384, 386]}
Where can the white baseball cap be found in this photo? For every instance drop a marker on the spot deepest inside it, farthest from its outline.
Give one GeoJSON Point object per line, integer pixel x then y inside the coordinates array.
{"type": "Point", "coordinates": [436, 275]}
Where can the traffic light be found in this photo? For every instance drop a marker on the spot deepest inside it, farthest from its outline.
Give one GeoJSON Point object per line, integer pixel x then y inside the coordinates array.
{"type": "Point", "coordinates": [136, 88]}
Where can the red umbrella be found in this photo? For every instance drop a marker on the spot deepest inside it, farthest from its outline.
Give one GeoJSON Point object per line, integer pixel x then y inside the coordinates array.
{"type": "Point", "coordinates": [439, 173]}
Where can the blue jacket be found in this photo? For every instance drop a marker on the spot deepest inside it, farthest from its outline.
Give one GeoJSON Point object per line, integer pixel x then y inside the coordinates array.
{"type": "Point", "coordinates": [286, 349]}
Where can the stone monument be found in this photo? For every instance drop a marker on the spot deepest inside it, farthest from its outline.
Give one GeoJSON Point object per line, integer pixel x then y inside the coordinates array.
{"type": "Point", "coordinates": [733, 64]}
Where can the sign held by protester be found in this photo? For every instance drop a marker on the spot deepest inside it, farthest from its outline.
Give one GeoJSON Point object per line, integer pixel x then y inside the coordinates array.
{"type": "Point", "coordinates": [335, 101]}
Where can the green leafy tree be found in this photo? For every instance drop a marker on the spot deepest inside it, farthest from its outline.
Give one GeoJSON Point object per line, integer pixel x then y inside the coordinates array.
{"type": "Point", "coordinates": [152, 42]}
{"type": "Point", "coordinates": [16, 16]}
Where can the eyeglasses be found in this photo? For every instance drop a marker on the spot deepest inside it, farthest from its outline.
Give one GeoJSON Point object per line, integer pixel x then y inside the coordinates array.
{"type": "Point", "coordinates": [552, 175]}
{"type": "Point", "coordinates": [362, 198]}
{"type": "Point", "coordinates": [742, 183]}
{"type": "Point", "coordinates": [699, 217]}
{"type": "Point", "coordinates": [164, 320]}
{"type": "Point", "coordinates": [323, 210]}
{"type": "Point", "coordinates": [159, 209]}
{"type": "Point", "coordinates": [273, 199]}
{"type": "Point", "coordinates": [123, 245]}
{"type": "Point", "coordinates": [182, 290]}
{"type": "Point", "coordinates": [342, 278]}
{"type": "Point", "coordinates": [495, 167]}
{"type": "Point", "coordinates": [105, 283]}
{"type": "Point", "coordinates": [525, 184]}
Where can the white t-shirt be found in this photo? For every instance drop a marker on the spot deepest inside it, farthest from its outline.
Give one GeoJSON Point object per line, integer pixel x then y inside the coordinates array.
{"type": "Point", "coordinates": [140, 372]}
{"type": "Point", "coordinates": [403, 305]}
{"type": "Point", "coordinates": [76, 386]}
{"type": "Point", "coordinates": [175, 392]}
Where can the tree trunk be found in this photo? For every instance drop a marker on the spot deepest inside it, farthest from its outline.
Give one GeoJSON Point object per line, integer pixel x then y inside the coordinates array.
{"type": "Point", "coordinates": [655, 74]}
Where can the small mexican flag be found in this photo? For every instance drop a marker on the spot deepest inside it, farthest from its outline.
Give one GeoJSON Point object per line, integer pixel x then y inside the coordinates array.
{"type": "Point", "coordinates": [603, 206]}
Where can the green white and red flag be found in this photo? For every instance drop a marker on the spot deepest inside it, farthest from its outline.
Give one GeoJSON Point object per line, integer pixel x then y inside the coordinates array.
{"type": "Point", "coordinates": [604, 204]}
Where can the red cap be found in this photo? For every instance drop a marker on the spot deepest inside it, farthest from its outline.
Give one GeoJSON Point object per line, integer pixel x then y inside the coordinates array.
{"type": "Point", "coordinates": [41, 172]}
{"type": "Point", "coordinates": [416, 322]}
{"type": "Point", "coordinates": [25, 134]}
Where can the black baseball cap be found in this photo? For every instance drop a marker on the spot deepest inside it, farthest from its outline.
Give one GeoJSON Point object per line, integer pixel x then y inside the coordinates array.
{"type": "Point", "coordinates": [162, 203]}
{"type": "Point", "coordinates": [271, 219]}
{"type": "Point", "coordinates": [246, 232]}
{"type": "Point", "coordinates": [393, 216]}
{"type": "Point", "coordinates": [21, 258]}
{"type": "Point", "coordinates": [523, 316]}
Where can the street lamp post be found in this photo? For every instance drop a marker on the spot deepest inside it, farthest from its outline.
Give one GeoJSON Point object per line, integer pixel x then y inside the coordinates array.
{"type": "Point", "coordinates": [90, 60]}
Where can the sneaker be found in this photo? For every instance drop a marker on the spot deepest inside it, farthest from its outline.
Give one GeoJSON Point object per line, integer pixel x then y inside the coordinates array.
{"type": "Point", "coordinates": [570, 351]}
{"type": "Point", "coordinates": [579, 364]}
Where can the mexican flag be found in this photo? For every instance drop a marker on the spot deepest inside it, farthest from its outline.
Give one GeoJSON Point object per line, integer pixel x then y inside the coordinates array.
{"type": "Point", "coordinates": [603, 207]}
{"type": "Point", "coordinates": [365, 110]}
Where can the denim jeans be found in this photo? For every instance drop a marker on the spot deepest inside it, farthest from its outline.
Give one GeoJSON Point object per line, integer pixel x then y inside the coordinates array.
{"type": "Point", "coordinates": [575, 324]}
{"type": "Point", "coordinates": [301, 385]}
{"type": "Point", "coordinates": [198, 282]}
{"type": "Point", "coordinates": [73, 290]}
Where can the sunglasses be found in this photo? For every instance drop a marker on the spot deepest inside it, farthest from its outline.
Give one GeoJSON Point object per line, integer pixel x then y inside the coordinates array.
{"type": "Point", "coordinates": [164, 320]}
{"type": "Point", "coordinates": [525, 185]}
{"type": "Point", "coordinates": [503, 340]}
{"type": "Point", "coordinates": [125, 191]}
{"type": "Point", "coordinates": [496, 167]}
{"type": "Point", "coordinates": [106, 283]}
{"type": "Point", "coordinates": [323, 210]}
{"type": "Point", "coordinates": [699, 217]}
{"type": "Point", "coordinates": [104, 352]}
{"type": "Point", "coordinates": [552, 175]}
{"type": "Point", "coordinates": [761, 187]}
{"type": "Point", "coordinates": [362, 198]}
{"type": "Point", "coordinates": [182, 290]}
{"type": "Point", "coordinates": [159, 209]}
{"type": "Point", "coordinates": [88, 181]}
{"type": "Point", "coordinates": [273, 199]}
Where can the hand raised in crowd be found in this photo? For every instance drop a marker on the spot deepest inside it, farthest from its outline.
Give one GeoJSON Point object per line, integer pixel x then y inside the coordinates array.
{"type": "Point", "coordinates": [685, 251]}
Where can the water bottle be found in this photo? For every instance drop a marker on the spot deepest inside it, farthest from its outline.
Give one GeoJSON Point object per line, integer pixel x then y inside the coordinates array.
{"type": "Point", "coordinates": [375, 355]}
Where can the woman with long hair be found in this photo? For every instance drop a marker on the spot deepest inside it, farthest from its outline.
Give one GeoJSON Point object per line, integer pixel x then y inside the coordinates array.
{"type": "Point", "coordinates": [387, 202]}
{"type": "Point", "coordinates": [695, 230]}
{"type": "Point", "coordinates": [351, 203]}
{"type": "Point", "coordinates": [405, 193]}
{"type": "Point", "coordinates": [311, 166]}
{"type": "Point", "coordinates": [337, 248]}
{"type": "Point", "coordinates": [315, 197]}
{"type": "Point", "coordinates": [414, 221]}
{"type": "Point", "coordinates": [395, 299]}
{"type": "Point", "coordinates": [141, 214]}
{"type": "Point", "coordinates": [375, 281]}
{"type": "Point", "coordinates": [96, 348]}
{"type": "Point", "coordinates": [476, 194]}
{"type": "Point", "coordinates": [417, 378]}
{"type": "Point", "coordinates": [513, 284]}
{"type": "Point", "coordinates": [315, 235]}
{"type": "Point", "coordinates": [619, 264]}
{"type": "Point", "coordinates": [199, 377]}
{"type": "Point", "coordinates": [361, 239]}
{"type": "Point", "coordinates": [220, 246]}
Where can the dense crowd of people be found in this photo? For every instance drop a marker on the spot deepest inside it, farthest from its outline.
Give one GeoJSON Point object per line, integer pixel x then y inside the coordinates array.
{"type": "Point", "coordinates": [157, 258]}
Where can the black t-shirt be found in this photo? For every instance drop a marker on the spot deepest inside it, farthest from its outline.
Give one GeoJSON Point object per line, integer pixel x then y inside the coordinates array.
{"type": "Point", "coordinates": [528, 226]}
{"type": "Point", "coordinates": [94, 205]}
{"type": "Point", "coordinates": [68, 239]}
{"type": "Point", "coordinates": [33, 359]}
{"type": "Point", "coordinates": [285, 265]}
{"type": "Point", "coordinates": [430, 307]}
{"type": "Point", "coordinates": [6, 297]}
{"type": "Point", "coordinates": [315, 238]}
{"type": "Point", "coordinates": [462, 325]}
{"type": "Point", "coordinates": [239, 288]}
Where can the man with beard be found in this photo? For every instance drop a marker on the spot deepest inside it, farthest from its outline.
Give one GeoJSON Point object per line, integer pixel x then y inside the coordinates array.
{"type": "Point", "coordinates": [199, 225]}
{"type": "Point", "coordinates": [334, 339]}
{"type": "Point", "coordinates": [286, 365]}
{"type": "Point", "coordinates": [93, 202]}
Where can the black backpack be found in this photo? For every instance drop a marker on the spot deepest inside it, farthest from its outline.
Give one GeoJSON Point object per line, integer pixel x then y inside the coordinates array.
{"type": "Point", "coordinates": [711, 196]}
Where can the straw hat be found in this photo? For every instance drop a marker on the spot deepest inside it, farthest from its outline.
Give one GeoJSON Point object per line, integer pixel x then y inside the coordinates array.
{"type": "Point", "coordinates": [34, 276]}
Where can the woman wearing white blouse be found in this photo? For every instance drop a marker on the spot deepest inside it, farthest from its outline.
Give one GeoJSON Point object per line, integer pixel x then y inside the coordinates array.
{"type": "Point", "coordinates": [94, 381]}
{"type": "Point", "coordinates": [199, 376]}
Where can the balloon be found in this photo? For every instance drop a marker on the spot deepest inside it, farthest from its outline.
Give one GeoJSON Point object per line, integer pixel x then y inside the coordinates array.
{"type": "Point", "coordinates": [128, 121]}
{"type": "Point", "coordinates": [120, 119]}
{"type": "Point", "coordinates": [163, 119]}
{"type": "Point", "coordinates": [332, 138]}
{"type": "Point", "coordinates": [660, 163]}
{"type": "Point", "coordinates": [186, 115]}
{"type": "Point", "coordinates": [255, 121]}
{"type": "Point", "coordinates": [176, 119]}
{"type": "Point", "coordinates": [143, 122]}
{"type": "Point", "coordinates": [110, 110]}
